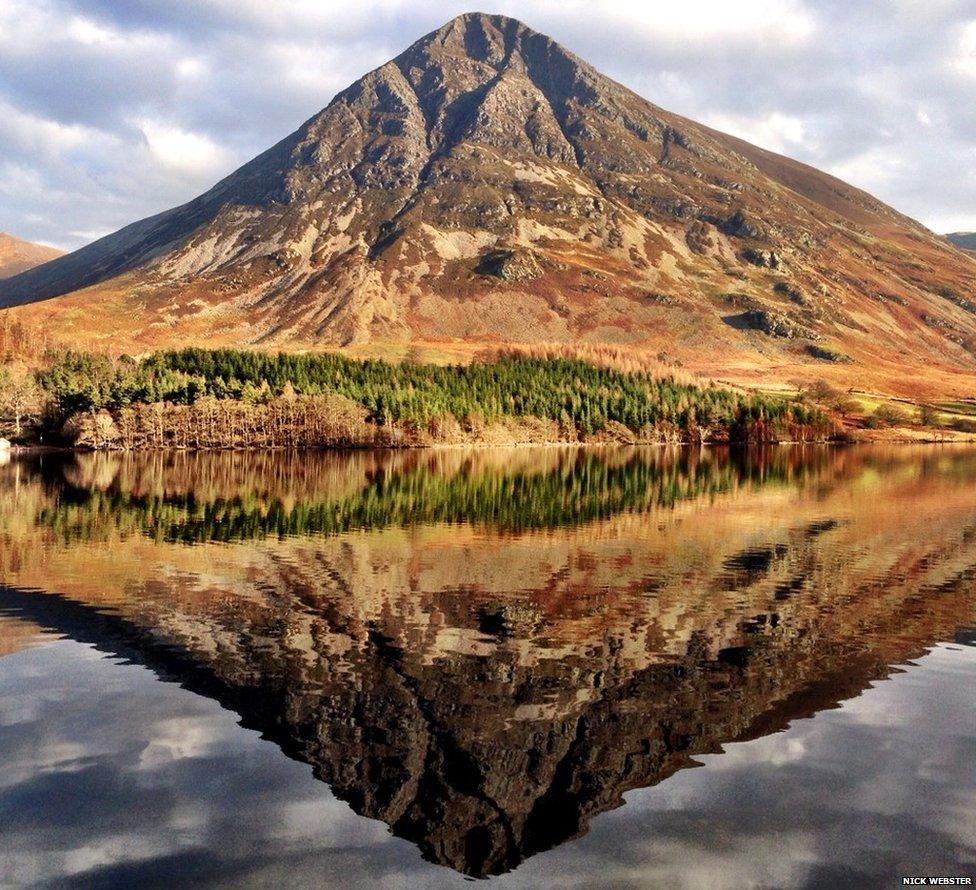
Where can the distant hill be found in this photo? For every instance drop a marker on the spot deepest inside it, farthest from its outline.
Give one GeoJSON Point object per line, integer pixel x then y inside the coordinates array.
{"type": "Point", "coordinates": [965, 240]}
{"type": "Point", "coordinates": [18, 256]}
{"type": "Point", "coordinates": [489, 186]}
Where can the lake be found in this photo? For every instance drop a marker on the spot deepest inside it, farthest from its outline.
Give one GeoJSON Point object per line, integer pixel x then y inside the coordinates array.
{"type": "Point", "coordinates": [543, 667]}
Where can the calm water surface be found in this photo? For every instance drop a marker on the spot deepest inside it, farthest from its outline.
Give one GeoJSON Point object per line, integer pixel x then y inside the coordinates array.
{"type": "Point", "coordinates": [411, 670]}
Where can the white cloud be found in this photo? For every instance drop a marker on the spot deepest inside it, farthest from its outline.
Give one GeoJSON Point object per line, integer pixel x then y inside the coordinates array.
{"type": "Point", "coordinates": [775, 131]}
{"type": "Point", "coordinates": [709, 20]}
{"type": "Point", "coordinates": [41, 26]}
{"type": "Point", "coordinates": [88, 32]}
{"type": "Point", "coordinates": [965, 60]}
{"type": "Point", "coordinates": [182, 151]}
{"type": "Point", "coordinates": [44, 137]}
{"type": "Point", "coordinates": [872, 169]}
{"type": "Point", "coordinates": [320, 71]}
{"type": "Point", "coordinates": [178, 738]}
{"type": "Point", "coordinates": [87, 235]}
{"type": "Point", "coordinates": [192, 68]}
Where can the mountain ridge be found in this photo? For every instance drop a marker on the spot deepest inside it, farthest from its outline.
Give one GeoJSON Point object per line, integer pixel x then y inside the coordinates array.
{"type": "Point", "coordinates": [17, 255]}
{"type": "Point", "coordinates": [964, 240]}
{"type": "Point", "coordinates": [487, 185]}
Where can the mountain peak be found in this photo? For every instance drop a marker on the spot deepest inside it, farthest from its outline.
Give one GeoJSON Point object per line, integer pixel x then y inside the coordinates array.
{"type": "Point", "coordinates": [487, 184]}
{"type": "Point", "coordinates": [494, 40]}
{"type": "Point", "coordinates": [469, 28]}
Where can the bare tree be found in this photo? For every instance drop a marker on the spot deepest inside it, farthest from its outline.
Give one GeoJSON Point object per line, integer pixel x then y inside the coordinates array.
{"type": "Point", "coordinates": [20, 399]}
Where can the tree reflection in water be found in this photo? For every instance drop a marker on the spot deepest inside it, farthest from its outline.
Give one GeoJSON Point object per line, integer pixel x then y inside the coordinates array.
{"type": "Point", "coordinates": [486, 649]}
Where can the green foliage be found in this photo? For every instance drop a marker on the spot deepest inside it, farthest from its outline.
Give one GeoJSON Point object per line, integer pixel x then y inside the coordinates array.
{"type": "Point", "coordinates": [886, 416]}
{"type": "Point", "coordinates": [964, 425]}
{"type": "Point", "coordinates": [81, 381]}
{"type": "Point", "coordinates": [929, 416]}
{"type": "Point", "coordinates": [573, 392]}
{"type": "Point", "coordinates": [821, 391]}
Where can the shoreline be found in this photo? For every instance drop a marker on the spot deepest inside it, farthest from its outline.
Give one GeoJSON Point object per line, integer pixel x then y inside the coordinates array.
{"type": "Point", "coordinates": [874, 439]}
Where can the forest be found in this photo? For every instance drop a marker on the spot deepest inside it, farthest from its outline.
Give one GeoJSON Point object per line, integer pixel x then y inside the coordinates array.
{"type": "Point", "coordinates": [226, 398]}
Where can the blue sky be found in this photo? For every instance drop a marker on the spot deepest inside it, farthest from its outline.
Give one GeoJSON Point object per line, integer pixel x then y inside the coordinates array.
{"type": "Point", "coordinates": [111, 111]}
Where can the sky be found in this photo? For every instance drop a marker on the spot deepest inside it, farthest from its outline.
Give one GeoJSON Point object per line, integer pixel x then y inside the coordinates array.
{"type": "Point", "coordinates": [113, 111]}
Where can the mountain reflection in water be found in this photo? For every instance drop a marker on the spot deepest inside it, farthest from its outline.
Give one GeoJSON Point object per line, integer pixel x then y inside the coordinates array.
{"type": "Point", "coordinates": [487, 649]}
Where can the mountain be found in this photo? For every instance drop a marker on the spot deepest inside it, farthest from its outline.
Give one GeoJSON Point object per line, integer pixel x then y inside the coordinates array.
{"type": "Point", "coordinates": [965, 240]}
{"type": "Point", "coordinates": [18, 256]}
{"type": "Point", "coordinates": [487, 185]}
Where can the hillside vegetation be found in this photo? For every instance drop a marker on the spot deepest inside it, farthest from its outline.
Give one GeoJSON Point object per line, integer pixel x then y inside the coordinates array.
{"type": "Point", "coordinates": [197, 398]}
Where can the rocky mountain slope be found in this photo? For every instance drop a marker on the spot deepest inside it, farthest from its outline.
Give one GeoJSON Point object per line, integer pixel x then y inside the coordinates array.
{"type": "Point", "coordinates": [489, 186]}
{"type": "Point", "coordinates": [18, 256]}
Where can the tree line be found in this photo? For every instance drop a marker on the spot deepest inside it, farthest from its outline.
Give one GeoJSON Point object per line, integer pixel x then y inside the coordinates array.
{"type": "Point", "coordinates": [215, 398]}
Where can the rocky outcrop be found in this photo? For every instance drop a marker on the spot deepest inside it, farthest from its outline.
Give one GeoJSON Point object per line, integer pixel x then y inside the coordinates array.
{"type": "Point", "coordinates": [827, 355]}
{"type": "Point", "coordinates": [510, 265]}
{"type": "Point", "coordinates": [742, 225]}
{"type": "Point", "coordinates": [776, 324]}
{"type": "Point", "coordinates": [765, 259]}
